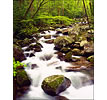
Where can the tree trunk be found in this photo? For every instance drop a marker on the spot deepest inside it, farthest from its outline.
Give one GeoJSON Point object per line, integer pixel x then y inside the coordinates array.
{"type": "Point", "coordinates": [86, 13]}
{"type": "Point", "coordinates": [40, 5]}
{"type": "Point", "coordinates": [28, 8]}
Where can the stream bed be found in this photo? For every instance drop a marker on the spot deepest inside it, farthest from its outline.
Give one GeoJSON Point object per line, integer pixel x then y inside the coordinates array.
{"type": "Point", "coordinates": [46, 64]}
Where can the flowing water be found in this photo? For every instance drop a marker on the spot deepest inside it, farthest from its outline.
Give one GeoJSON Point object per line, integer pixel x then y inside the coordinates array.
{"type": "Point", "coordinates": [48, 64]}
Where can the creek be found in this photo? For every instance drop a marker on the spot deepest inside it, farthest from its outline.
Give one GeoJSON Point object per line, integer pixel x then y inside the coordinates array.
{"type": "Point", "coordinates": [48, 64]}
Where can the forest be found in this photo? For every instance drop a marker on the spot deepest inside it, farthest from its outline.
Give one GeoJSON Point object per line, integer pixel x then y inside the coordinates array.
{"type": "Point", "coordinates": [53, 49]}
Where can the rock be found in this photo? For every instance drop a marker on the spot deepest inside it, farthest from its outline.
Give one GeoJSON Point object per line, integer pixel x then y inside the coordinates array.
{"type": "Point", "coordinates": [75, 59]}
{"type": "Point", "coordinates": [75, 45]}
{"type": "Point", "coordinates": [22, 78]}
{"type": "Point", "coordinates": [88, 49]}
{"type": "Point", "coordinates": [43, 32]}
{"type": "Point", "coordinates": [34, 66]}
{"type": "Point", "coordinates": [82, 43]}
{"type": "Point", "coordinates": [60, 98]}
{"type": "Point", "coordinates": [26, 54]}
{"type": "Point", "coordinates": [50, 41]}
{"type": "Point", "coordinates": [58, 31]}
{"type": "Point", "coordinates": [67, 31]}
{"type": "Point", "coordinates": [62, 41]}
{"type": "Point", "coordinates": [26, 42]}
{"type": "Point", "coordinates": [65, 49]}
{"type": "Point", "coordinates": [28, 49]}
{"type": "Point", "coordinates": [47, 36]}
{"type": "Point", "coordinates": [31, 55]}
{"type": "Point", "coordinates": [76, 52]}
{"type": "Point", "coordinates": [19, 67]}
{"type": "Point", "coordinates": [68, 56]}
{"type": "Point", "coordinates": [18, 53]}
{"type": "Point", "coordinates": [37, 49]}
{"type": "Point", "coordinates": [56, 35]}
{"type": "Point", "coordinates": [55, 84]}
{"type": "Point", "coordinates": [60, 56]}
{"type": "Point", "coordinates": [91, 58]}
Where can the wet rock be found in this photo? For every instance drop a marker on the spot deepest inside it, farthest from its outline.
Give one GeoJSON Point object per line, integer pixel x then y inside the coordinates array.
{"type": "Point", "coordinates": [65, 49]}
{"type": "Point", "coordinates": [28, 49]}
{"type": "Point", "coordinates": [43, 32]}
{"type": "Point", "coordinates": [18, 53]}
{"type": "Point", "coordinates": [37, 49]}
{"type": "Point", "coordinates": [68, 56]}
{"type": "Point", "coordinates": [62, 41]}
{"type": "Point", "coordinates": [55, 84]}
{"type": "Point", "coordinates": [75, 59]}
{"type": "Point", "coordinates": [58, 31]}
{"type": "Point", "coordinates": [50, 41]}
{"type": "Point", "coordinates": [25, 42]}
{"type": "Point", "coordinates": [34, 66]}
{"type": "Point", "coordinates": [88, 49]}
{"type": "Point", "coordinates": [60, 98]}
{"type": "Point", "coordinates": [91, 58]}
{"type": "Point", "coordinates": [67, 31]}
{"type": "Point", "coordinates": [19, 67]}
{"type": "Point", "coordinates": [76, 52]}
{"type": "Point", "coordinates": [27, 54]}
{"type": "Point", "coordinates": [60, 56]}
{"type": "Point", "coordinates": [82, 43]}
{"type": "Point", "coordinates": [75, 45]}
{"type": "Point", "coordinates": [31, 55]}
{"type": "Point", "coordinates": [56, 35]}
{"type": "Point", "coordinates": [22, 78]}
{"type": "Point", "coordinates": [47, 36]}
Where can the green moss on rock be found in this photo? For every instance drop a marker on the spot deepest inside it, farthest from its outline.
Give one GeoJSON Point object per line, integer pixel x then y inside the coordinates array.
{"type": "Point", "coordinates": [63, 40]}
{"type": "Point", "coordinates": [22, 78]}
{"type": "Point", "coordinates": [91, 58]}
{"type": "Point", "coordinates": [54, 81]}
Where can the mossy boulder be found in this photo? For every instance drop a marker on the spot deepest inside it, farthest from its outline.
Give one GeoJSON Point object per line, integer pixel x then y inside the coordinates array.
{"type": "Point", "coordinates": [82, 43]}
{"type": "Point", "coordinates": [18, 53]}
{"type": "Point", "coordinates": [76, 52]}
{"type": "Point", "coordinates": [91, 58]}
{"type": "Point", "coordinates": [55, 84]}
{"type": "Point", "coordinates": [24, 42]}
{"type": "Point", "coordinates": [47, 36]}
{"type": "Point", "coordinates": [22, 78]}
{"type": "Point", "coordinates": [62, 41]}
{"type": "Point", "coordinates": [67, 31]}
{"type": "Point", "coordinates": [88, 49]}
{"type": "Point", "coordinates": [65, 49]}
{"type": "Point", "coordinates": [68, 56]}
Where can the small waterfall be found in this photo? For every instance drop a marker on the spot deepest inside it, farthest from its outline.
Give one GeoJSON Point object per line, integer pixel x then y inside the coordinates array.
{"type": "Point", "coordinates": [48, 64]}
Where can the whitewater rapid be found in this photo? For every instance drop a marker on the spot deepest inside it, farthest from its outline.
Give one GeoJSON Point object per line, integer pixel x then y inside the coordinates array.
{"type": "Point", "coordinates": [53, 66]}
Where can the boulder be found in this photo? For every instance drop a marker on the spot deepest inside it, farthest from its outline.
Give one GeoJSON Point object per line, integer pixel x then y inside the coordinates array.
{"type": "Point", "coordinates": [67, 31]}
{"type": "Point", "coordinates": [60, 56]}
{"type": "Point", "coordinates": [65, 49]}
{"type": "Point", "coordinates": [18, 53]}
{"type": "Point", "coordinates": [82, 43]}
{"type": "Point", "coordinates": [47, 36]}
{"type": "Point", "coordinates": [31, 55]}
{"type": "Point", "coordinates": [68, 56]}
{"type": "Point", "coordinates": [88, 49]}
{"type": "Point", "coordinates": [22, 78]}
{"type": "Point", "coordinates": [55, 84]}
{"type": "Point", "coordinates": [62, 41]}
{"type": "Point", "coordinates": [58, 31]}
{"type": "Point", "coordinates": [50, 41]}
{"type": "Point", "coordinates": [76, 52]}
{"type": "Point", "coordinates": [60, 98]}
{"type": "Point", "coordinates": [91, 58]}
